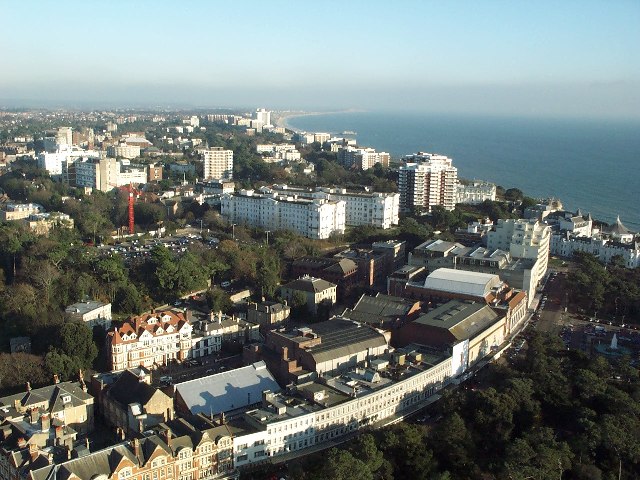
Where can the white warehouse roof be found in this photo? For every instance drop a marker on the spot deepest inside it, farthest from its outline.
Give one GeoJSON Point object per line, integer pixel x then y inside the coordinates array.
{"type": "Point", "coordinates": [224, 392]}
{"type": "Point", "coordinates": [460, 281]}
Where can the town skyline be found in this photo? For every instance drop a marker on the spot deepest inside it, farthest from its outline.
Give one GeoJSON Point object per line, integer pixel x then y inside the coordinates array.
{"type": "Point", "coordinates": [542, 60]}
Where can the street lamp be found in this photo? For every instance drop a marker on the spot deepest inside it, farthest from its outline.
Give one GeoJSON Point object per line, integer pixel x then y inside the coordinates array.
{"type": "Point", "coordinates": [267, 232]}
{"type": "Point", "coordinates": [233, 231]}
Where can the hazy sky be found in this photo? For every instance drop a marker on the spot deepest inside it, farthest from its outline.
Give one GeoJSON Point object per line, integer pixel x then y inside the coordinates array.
{"type": "Point", "coordinates": [497, 57]}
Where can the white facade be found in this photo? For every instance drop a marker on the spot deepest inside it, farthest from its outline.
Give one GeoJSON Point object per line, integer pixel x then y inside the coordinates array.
{"type": "Point", "coordinates": [132, 175]}
{"type": "Point", "coordinates": [53, 162]}
{"type": "Point", "coordinates": [99, 174]}
{"type": "Point", "coordinates": [376, 209]}
{"type": "Point", "coordinates": [475, 193]}
{"type": "Point", "coordinates": [564, 245]}
{"type": "Point", "coordinates": [92, 313]}
{"type": "Point", "coordinates": [427, 180]}
{"type": "Point", "coordinates": [264, 117]}
{"type": "Point", "coordinates": [284, 431]}
{"type": "Point", "coordinates": [361, 158]}
{"type": "Point", "coordinates": [150, 340]}
{"type": "Point", "coordinates": [317, 219]}
{"type": "Point", "coordinates": [218, 163]}
{"type": "Point", "coordinates": [124, 151]}
{"type": "Point", "coordinates": [523, 239]}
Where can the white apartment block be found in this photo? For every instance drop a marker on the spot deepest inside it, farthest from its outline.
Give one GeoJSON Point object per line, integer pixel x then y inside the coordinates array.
{"type": "Point", "coordinates": [475, 193]}
{"type": "Point", "coordinates": [523, 239]}
{"type": "Point", "coordinates": [263, 116]}
{"type": "Point", "coordinates": [317, 219]}
{"type": "Point", "coordinates": [362, 208]}
{"type": "Point", "coordinates": [277, 153]}
{"type": "Point", "coordinates": [104, 174]}
{"type": "Point", "coordinates": [64, 136]}
{"type": "Point", "coordinates": [53, 162]}
{"type": "Point", "coordinates": [132, 174]}
{"type": "Point", "coordinates": [123, 151]}
{"type": "Point", "coordinates": [361, 158]}
{"type": "Point", "coordinates": [427, 180]}
{"type": "Point", "coordinates": [218, 163]}
{"type": "Point", "coordinates": [99, 174]}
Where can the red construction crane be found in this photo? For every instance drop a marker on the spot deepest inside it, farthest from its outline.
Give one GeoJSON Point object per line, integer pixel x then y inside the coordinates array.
{"type": "Point", "coordinates": [132, 191]}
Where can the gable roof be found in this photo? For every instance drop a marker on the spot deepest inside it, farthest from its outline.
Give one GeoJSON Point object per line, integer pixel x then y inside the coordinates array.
{"type": "Point", "coordinates": [463, 320]}
{"type": "Point", "coordinates": [129, 389]}
{"type": "Point", "coordinates": [310, 284]}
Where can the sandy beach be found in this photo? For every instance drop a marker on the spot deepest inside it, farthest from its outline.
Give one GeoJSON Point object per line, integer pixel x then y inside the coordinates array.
{"type": "Point", "coordinates": [281, 118]}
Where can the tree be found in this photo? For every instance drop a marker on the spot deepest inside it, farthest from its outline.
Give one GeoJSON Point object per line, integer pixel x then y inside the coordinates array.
{"type": "Point", "coordinates": [75, 340]}
{"type": "Point", "coordinates": [218, 300]}
{"type": "Point", "coordinates": [268, 273]}
{"type": "Point", "coordinates": [128, 299]}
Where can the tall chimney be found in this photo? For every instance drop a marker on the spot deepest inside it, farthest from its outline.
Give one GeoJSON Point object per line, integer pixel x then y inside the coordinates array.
{"type": "Point", "coordinates": [45, 421]}
{"type": "Point", "coordinates": [167, 437]}
{"type": "Point", "coordinates": [33, 452]}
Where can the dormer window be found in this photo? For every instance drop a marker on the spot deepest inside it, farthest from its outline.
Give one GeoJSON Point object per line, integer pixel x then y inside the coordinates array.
{"type": "Point", "coordinates": [124, 473]}
{"type": "Point", "coordinates": [66, 399]}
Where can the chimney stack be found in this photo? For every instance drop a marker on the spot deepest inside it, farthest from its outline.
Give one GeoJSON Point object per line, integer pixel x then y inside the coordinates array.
{"type": "Point", "coordinates": [33, 452]}
{"type": "Point", "coordinates": [136, 447]}
{"type": "Point", "coordinates": [56, 379]}
{"type": "Point", "coordinates": [45, 422]}
{"type": "Point", "coordinates": [285, 353]}
{"type": "Point", "coordinates": [167, 437]}
{"type": "Point", "coordinates": [28, 386]}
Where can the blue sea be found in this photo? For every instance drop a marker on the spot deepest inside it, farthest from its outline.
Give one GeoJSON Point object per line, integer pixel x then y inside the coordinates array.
{"type": "Point", "coordinates": [587, 164]}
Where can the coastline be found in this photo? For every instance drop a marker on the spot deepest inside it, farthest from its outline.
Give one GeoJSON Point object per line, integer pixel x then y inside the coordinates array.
{"type": "Point", "coordinates": [281, 118]}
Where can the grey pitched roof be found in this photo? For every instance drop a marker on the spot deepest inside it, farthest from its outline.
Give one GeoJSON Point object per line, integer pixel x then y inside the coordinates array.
{"type": "Point", "coordinates": [618, 228]}
{"type": "Point", "coordinates": [310, 284]}
{"type": "Point", "coordinates": [343, 337]}
{"type": "Point", "coordinates": [129, 389]}
{"type": "Point", "coordinates": [379, 309]}
{"type": "Point", "coordinates": [227, 391]}
{"type": "Point", "coordinates": [463, 319]}
{"type": "Point", "coordinates": [51, 393]}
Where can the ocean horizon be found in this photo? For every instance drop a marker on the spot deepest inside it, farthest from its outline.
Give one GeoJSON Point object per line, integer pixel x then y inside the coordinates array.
{"type": "Point", "coordinates": [588, 164]}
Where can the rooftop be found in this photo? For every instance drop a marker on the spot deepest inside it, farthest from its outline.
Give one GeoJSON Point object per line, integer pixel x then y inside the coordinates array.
{"type": "Point", "coordinates": [227, 391]}
{"type": "Point", "coordinates": [464, 320]}
{"type": "Point", "coordinates": [310, 284]}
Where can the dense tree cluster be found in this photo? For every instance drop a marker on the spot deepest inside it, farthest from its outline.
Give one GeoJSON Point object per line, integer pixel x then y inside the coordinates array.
{"type": "Point", "coordinates": [612, 290]}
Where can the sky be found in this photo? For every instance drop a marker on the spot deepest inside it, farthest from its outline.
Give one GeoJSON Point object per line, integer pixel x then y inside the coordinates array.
{"type": "Point", "coordinates": [555, 58]}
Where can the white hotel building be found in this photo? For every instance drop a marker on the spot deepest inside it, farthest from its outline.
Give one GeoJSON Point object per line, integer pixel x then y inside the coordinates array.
{"type": "Point", "coordinates": [427, 180]}
{"type": "Point", "coordinates": [523, 239]}
{"type": "Point", "coordinates": [317, 218]}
